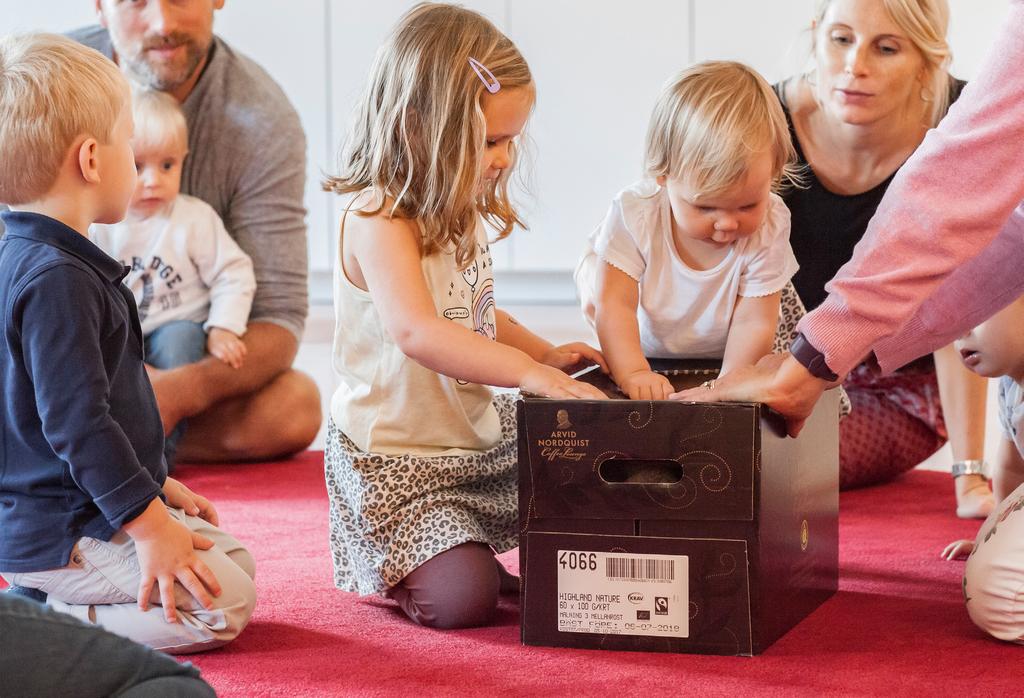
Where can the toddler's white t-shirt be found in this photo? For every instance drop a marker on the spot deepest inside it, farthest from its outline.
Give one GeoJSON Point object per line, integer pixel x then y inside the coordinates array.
{"type": "Point", "coordinates": [684, 312]}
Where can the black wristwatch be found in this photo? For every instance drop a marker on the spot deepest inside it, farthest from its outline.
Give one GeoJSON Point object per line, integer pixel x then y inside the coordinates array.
{"type": "Point", "coordinates": [811, 359]}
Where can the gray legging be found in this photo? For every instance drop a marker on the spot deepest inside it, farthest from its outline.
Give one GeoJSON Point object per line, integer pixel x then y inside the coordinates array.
{"type": "Point", "coordinates": [456, 589]}
{"type": "Point", "coordinates": [45, 653]}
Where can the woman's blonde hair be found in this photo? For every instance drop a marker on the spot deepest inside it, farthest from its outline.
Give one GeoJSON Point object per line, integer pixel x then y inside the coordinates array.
{"type": "Point", "coordinates": [419, 132]}
{"type": "Point", "coordinates": [926, 23]}
{"type": "Point", "coordinates": [159, 121]}
{"type": "Point", "coordinates": [53, 91]}
{"type": "Point", "coordinates": [707, 123]}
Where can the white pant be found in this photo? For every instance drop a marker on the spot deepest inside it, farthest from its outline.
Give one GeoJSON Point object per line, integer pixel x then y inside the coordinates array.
{"type": "Point", "coordinates": [101, 581]}
{"type": "Point", "coordinates": [994, 576]}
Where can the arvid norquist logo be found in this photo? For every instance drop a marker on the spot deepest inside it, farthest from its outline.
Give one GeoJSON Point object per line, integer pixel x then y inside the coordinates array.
{"type": "Point", "coordinates": [563, 443]}
{"type": "Point", "coordinates": [562, 419]}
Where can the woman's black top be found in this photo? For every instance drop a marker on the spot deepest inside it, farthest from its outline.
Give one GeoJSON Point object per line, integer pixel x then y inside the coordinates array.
{"type": "Point", "coordinates": [826, 226]}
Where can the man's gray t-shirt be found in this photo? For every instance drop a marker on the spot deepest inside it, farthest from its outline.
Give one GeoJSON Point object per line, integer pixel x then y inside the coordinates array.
{"type": "Point", "coordinates": [247, 159]}
{"type": "Point", "coordinates": [1011, 412]}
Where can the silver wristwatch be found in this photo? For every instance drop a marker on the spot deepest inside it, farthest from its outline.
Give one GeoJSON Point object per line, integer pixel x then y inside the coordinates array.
{"type": "Point", "coordinates": [970, 467]}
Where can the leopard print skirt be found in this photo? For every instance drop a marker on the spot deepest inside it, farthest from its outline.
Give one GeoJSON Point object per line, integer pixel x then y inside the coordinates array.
{"type": "Point", "coordinates": [791, 310]}
{"type": "Point", "coordinates": [390, 514]}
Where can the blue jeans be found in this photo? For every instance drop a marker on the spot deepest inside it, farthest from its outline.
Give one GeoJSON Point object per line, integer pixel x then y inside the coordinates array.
{"type": "Point", "coordinates": [45, 653]}
{"type": "Point", "coordinates": [175, 344]}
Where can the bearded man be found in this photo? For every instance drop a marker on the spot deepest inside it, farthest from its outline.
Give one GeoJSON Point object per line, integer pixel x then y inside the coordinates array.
{"type": "Point", "coordinates": [247, 159]}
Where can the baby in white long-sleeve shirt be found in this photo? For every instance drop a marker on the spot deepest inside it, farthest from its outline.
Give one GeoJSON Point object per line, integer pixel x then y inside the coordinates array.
{"type": "Point", "coordinates": [192, 283]}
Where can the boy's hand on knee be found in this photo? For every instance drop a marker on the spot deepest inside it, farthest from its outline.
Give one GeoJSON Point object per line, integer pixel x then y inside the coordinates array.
{"type": "Point", "coordinates": [166, 551]}
{"type": "Point", "coordinates": [181, 497]}
{"type": "Point", "coordinates": [226, 346]}
{"type": "Point", "coordinates": [958, 549]}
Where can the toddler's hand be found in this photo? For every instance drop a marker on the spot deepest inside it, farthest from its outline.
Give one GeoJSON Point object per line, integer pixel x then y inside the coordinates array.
{"type": "Point", "coordinates": [226, 346]}
{"type": "Point", "coordinates": [958, 549]}
{"type": "Point", "coordinates": [548, 381]}
{"type": "Point", "coordinates": [166, 550]}
{"type": "Point", "coordinates": [646, 385]}
{"type": "Point", "coordinates": [181, 497]}
{"type": "Point", "coordinates": [567, 356]}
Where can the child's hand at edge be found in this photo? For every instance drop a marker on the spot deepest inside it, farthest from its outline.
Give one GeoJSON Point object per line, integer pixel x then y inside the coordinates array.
{"type": "Point", "coordinates": [166, 549]}
{"type": "Point", "coordinates": [646, 385]}
{"type": "Point", "coordinates": [568, 356]}
{"type": "Point", "coordinates": [181, 497]}
{"type": "Point", "coordinates": [548, 381]}
{"type": "Point", "coordinates": [226, 346]}
{"type": "Point", "coordinates": [958, 549]}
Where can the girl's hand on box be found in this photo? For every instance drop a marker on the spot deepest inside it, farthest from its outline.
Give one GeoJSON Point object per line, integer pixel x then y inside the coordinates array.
{"type": "Point", "coordinates": [548, 381]}
{"type": "Point", "coordinates": [572, 355]}
{"type": "Point", "coordinates": [646, 385]}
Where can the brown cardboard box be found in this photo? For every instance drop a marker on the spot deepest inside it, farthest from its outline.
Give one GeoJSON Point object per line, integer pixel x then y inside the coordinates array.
{"type": "Point", "coordinates": [675, 527]}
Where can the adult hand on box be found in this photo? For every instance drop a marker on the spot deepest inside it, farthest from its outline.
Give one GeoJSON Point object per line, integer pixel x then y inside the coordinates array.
{"type": "Point", "coordinates": [777, 380]}
{"type": "Point", "coordinates": [646, 385]}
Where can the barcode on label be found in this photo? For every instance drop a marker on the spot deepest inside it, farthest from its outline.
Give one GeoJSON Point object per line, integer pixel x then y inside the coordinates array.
{"type": "Point", "coordinates": [639, 568]}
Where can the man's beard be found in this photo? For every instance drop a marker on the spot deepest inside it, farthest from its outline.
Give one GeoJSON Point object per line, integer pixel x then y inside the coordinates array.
{"type": "Point", "coordinates": [162, 76]}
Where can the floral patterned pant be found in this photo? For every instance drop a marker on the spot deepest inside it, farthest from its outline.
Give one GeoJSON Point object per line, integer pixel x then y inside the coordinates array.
{"type": "Point", "coordinates": [896, 422]}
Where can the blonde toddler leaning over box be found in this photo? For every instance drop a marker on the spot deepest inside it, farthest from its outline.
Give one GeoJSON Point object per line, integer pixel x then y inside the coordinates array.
{"type": "Point", "coordinates": [692, 261]}
{"type": "Point", "coordinates": [420, 457]}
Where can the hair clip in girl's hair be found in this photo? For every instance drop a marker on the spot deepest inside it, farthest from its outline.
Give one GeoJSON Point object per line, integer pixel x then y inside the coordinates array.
{"type": "Point", "coordinates": [486, 76]}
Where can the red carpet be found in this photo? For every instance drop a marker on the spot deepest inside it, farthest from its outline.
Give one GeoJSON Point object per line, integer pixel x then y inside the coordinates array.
{"type": "Point", "coordinates": [896, 627]}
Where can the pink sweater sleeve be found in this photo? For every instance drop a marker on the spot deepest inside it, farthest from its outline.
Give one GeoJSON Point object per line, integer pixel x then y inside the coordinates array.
{"type": "Point", "coordinates": [943, 209]}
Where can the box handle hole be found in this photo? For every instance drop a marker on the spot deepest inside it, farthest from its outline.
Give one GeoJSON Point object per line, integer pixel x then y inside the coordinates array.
{"type": "Point", "coordinates": [641, 472]}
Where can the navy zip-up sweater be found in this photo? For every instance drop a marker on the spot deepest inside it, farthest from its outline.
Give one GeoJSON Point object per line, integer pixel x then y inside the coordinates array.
{"type": "Point", "coordinates": [81, 446]}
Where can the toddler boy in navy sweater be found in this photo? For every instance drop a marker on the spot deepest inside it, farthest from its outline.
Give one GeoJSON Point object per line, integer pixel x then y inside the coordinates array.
{"type": "Point", "coordinates": [88, 514]}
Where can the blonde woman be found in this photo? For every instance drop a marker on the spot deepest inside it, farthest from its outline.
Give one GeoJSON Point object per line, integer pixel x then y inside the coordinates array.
{"type": "Point", "coordinates": [878, 82]}
{"type": "Point", "coordinates": [421, 458]}
{"type": "Point", "coordinates": [691, 261]}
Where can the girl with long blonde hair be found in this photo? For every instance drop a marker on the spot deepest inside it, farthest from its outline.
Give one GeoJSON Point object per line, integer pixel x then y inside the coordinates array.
{"type": "Point", "coordinates": [421, 457]}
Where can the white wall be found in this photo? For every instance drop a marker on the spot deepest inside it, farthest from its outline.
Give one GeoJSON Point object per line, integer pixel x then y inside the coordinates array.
{"type": "Point", "coordinates": [598, 67]}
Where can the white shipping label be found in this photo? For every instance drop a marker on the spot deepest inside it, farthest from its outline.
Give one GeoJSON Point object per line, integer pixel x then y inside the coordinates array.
{"type": "Point", "coordinates": [623, 594]}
